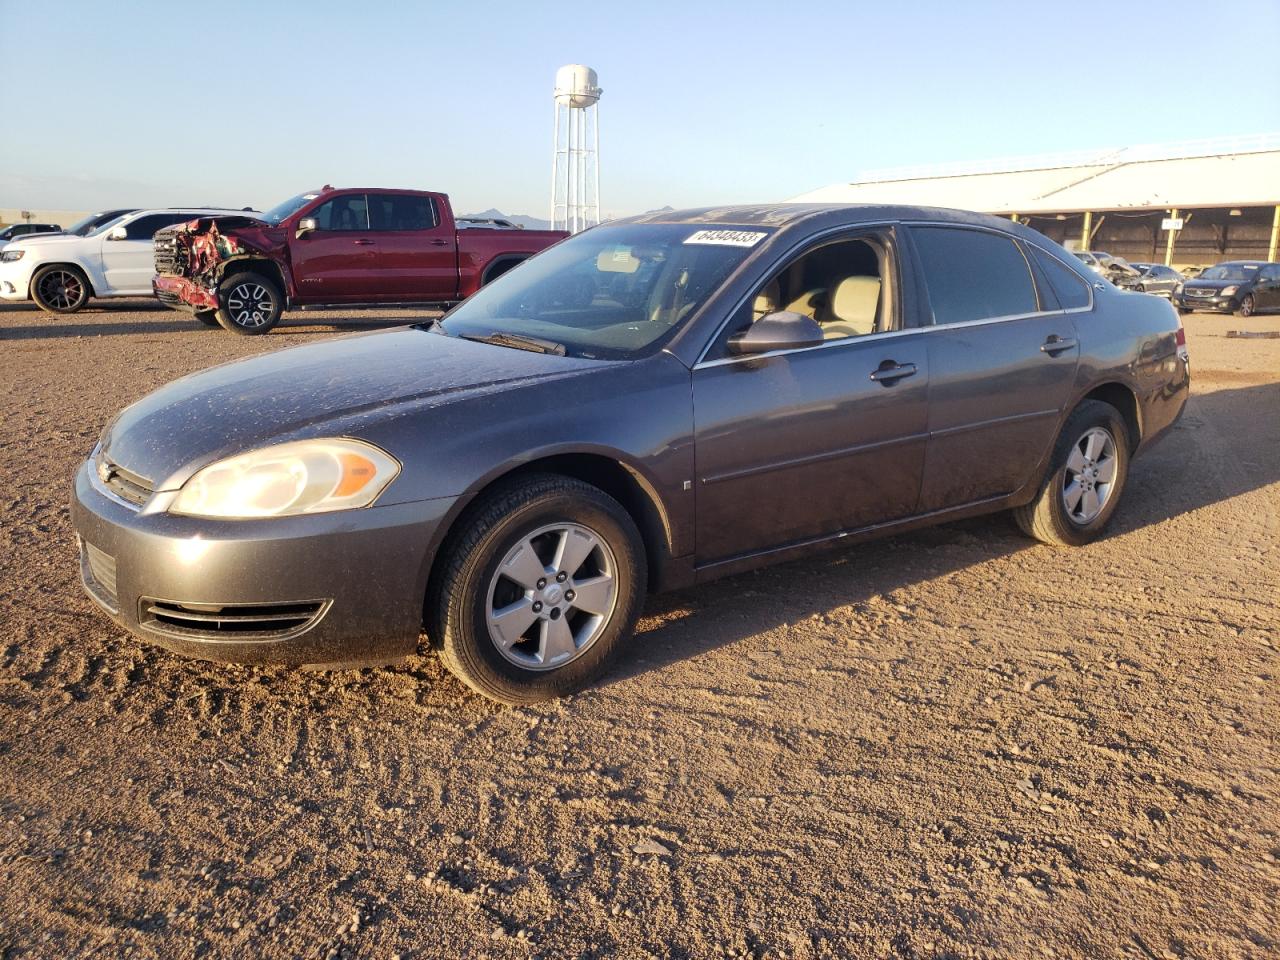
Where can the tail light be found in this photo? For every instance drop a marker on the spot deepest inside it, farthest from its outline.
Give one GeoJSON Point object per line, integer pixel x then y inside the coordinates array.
{"type": "Point", "coordinates": [1180, 338]}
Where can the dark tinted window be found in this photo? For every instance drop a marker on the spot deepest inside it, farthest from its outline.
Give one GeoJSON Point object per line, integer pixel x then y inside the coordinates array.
{"type": "Point", "coordinates": [1071, 289]}
{"type": "Point", "coordinates": [392, 211]}
{"type": "Point", "coordinates": [972, 275]}
{"type": "Point", "coordinates": [349, 212]}
{"type": "Point", "coordinates": [144, 228]}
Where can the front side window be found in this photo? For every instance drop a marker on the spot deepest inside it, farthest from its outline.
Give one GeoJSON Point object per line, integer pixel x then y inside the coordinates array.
{"type": "Point", "coordinates": [391, 211]}
{"type": "Point", "coordinates": [144, 228]}
{"type": "Point", "coordinates": [611, 292]}
{"type": "Point", "coordinates": [345, 213]}
{"type": "Point", "coordinates": [973, 275]}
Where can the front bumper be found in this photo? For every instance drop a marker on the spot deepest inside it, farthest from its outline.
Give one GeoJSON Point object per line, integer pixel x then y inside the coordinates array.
{"type": "Point", "coordinates": [15, 279]}
{"type": "Point", "coordinates": [337, 588]}
{"type": "Point", "coordinates": [1215, 304]}
{"type": "Point", "coordinates": [182, 293]}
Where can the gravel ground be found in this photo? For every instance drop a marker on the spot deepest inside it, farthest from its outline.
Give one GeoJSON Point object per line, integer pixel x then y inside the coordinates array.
{"type": "Point", "coordinates": [954, 743]}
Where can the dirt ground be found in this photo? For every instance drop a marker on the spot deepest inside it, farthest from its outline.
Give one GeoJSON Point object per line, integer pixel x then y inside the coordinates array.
{"type": "Point", "coordinates": [955, 743]}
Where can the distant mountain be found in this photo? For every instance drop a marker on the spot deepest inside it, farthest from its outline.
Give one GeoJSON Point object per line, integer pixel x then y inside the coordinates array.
{"type": "Point", "coordinates": [529, 223]}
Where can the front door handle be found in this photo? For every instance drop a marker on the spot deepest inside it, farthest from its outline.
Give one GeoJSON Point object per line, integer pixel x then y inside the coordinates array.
{"type": "Point", "coordinates": [1056, 345]}
{"type": "Point", "coordinates": [364, 243]}
{"type": "Point", "coordinates": [890, 372]}
{"type": "Point", "coordinates": [439, 243]}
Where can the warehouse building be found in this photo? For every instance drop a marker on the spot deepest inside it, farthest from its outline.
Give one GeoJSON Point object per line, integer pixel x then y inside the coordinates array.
{"type": "Point", "coordinates": [1187, 205]}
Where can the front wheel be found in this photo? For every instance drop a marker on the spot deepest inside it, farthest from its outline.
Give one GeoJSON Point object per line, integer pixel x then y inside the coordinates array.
{"type": "Point", "coordinates": [60, 289]}
{"type": "Point", "coordinates": [1086, 477]}
{"type": "Point", "coordinates": [1246, 306]}
{"type": "Point", "coordinates": [1141, 288]}
{"type": "Point", "coordinates": [538, 590]}
{"type": "Point", "coordinates": [249, 304]}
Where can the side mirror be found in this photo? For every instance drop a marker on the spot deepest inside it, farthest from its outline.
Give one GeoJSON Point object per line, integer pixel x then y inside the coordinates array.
{"type": "Point", "coordinates": [777, 331]}
{"type": "Point", "coordinates": [118, 233]}
{"type": "Point", "coordinates": [305, 226]}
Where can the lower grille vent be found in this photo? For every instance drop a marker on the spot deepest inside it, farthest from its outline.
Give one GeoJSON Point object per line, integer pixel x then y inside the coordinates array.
{"type": "Point", "coordinates": [206, 621]}
{"type": "Point", "coordinates": [98, 570]}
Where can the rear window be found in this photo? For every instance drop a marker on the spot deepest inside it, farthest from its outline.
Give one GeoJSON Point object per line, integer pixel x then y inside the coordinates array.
{"type": "Point", "coordinates": [390, 211]}
{"type": "Point", "coordinates": [1071, 290]}
{"type": "Point", "coordinates": [973, 275]}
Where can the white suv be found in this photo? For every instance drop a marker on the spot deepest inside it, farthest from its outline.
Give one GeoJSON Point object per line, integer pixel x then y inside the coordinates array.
{"type": "Point", "coordinates": [60, 272]}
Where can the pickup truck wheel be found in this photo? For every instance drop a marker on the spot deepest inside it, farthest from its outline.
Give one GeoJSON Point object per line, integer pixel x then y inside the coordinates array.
{"type": "Point", "coordinates": [1086, 477]}
{"type": "Point", "coordinates": [249, 304]}
{"type": "Point", "coordinates": [538, 590]}
{"type": "Point", "coordinates": [208, 317]}
{"type": "Point", "coordinates": [60, 289]}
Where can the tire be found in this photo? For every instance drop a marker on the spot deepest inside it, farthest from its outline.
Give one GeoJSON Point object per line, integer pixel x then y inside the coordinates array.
{"type": "Point", "coordinates": [60, 289]}
{"type": "Point", "coordinates": [529, 518]}
{"type": "Point", "coordinates": [208, 317]}
{"type": "Point", "coordinates": [249, 304]}
{"type": "Point", "coordinates": [1141, 288]}
{"type": "Point", "coordinates": [1048, 517]}
{"type": "Point", "coordinates": [1246, 306]}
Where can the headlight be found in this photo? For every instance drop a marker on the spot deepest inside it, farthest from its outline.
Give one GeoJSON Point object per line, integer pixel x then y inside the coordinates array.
{"type": "Point", "coordinates": [8, 256]}
{"type": "Point", "coordinates": [304, 476]}
{"type": "Point", "coordinates": [1228, 291]}
{"type": "Point", "coordinates": [1178, 288]}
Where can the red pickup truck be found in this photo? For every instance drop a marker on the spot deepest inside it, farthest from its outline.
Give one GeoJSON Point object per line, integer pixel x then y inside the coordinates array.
{"type": "Point", "coordinates": [354, 246]}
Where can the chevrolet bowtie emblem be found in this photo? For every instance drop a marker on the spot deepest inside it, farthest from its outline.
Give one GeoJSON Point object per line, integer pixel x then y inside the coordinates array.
{"type": "Point", "coordinates": [105, 471]}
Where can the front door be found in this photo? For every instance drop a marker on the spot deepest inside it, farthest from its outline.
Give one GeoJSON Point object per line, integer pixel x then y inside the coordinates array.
{"type": "Point", "coordinates": [1266, 292]}
{"type": "Point", "coordinates": [416, 256]}
{"type": "Point", "coordinates": [335, 263]}
{"type": "Point", "coordinates": [130, 263]}
{"type": "Point", "coordinates": [1002, 363]}
{"type": "Point", "coordinates": [804, 444]}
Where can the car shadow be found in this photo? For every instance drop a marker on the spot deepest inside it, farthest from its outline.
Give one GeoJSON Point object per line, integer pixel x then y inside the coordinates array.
{"type": "Point", "coordinates": [1203, 460]}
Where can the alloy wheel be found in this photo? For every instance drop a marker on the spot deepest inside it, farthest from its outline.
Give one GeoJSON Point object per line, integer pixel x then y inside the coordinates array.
{"type": "Point", "coordinates": [1246, 306]}
{"type": "Point", "coordinates": [250, 305]}
{"type": "Point", "coordinates": [1090, 474]}
{"type": "Point", "coordinates": [61, 289]}
{"type": "Point", "coordinates": [552, 596]}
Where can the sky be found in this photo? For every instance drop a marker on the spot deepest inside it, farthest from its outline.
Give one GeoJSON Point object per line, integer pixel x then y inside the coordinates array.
{"type": "Point", "coordinates": [225, 102]}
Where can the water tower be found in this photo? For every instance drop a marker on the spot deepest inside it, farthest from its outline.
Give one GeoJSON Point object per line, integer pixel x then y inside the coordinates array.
{"type": "Point", "coordinates": [575, 164]}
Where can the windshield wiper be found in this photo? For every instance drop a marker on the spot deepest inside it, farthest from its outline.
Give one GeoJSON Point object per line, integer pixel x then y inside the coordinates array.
{"type": "Point", "coordinates": [517, 340]}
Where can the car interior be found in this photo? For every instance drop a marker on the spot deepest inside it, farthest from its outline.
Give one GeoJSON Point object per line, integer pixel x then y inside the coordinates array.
{"type": "Point", "coordinates": [839, 285]}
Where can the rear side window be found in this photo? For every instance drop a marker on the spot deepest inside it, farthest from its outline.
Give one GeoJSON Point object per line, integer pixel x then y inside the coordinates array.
{"type": "Point", "coordinates": [391, 211]}
{"type": "Point", "coordinates": [1071, 289]}
{"type": "Point", "coordinates": [973, 275]}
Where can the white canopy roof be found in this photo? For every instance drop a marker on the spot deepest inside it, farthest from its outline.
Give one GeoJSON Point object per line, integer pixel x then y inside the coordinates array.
{"type": "Point", "coordinates": [1222, 173]}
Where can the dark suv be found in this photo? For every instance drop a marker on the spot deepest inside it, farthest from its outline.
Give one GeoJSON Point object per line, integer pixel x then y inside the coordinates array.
{"type": "Point", "coordinates": [17, 230]}
{"type": "Point", "coordinates": [1243, 287]}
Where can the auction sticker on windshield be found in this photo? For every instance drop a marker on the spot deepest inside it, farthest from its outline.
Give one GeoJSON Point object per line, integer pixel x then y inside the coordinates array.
{"type": "Point", "coordinates": [727, 238]}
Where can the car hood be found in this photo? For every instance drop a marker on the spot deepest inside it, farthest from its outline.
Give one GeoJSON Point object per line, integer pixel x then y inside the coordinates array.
{"type": "Point", "coordinates": [1211, 284]}
{"type": "Point", "coordinates": [325, 389]}
{"type": "Point", "coordinates": [42, 238]}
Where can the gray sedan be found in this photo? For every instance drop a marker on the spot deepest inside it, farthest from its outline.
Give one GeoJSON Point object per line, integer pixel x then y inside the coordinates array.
{"type": "Point", "coordinates": [647, 405]}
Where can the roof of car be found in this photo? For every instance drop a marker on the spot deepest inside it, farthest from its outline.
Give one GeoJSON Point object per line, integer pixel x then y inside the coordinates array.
{"type": "Point", "coordinates": [787, 214]}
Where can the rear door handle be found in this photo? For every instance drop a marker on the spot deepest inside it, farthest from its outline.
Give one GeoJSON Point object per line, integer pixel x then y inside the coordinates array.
{"type": "Point", "coordinates": [364, 243]}
{"type": "Point", "coordinates": [890, 371]}
{"type": "Point", "coordinates": [1056, 345]}
{"type": "Point", "coordinates": [439, 243]}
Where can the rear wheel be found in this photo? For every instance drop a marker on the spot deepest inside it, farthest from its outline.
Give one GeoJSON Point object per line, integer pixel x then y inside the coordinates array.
{"type": "Point", "coordinates": [1086, 477]}
{"type": "Point", "coordinates": [1246, 306]}
{"type": "Point", "coordinates": [249, 304]}
{"type": "Point", "coordinates": [60, 289]}
{"type": "Point", "coordinates": [539, 590]}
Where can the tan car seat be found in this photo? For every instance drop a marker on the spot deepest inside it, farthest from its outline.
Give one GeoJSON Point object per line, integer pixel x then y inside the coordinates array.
{"type": "Point", "coordinates": [810, 303]}
{"type": "Point", "coordinates": [766, 301]}
{"type": "Point", "coordinates": [854, 307]}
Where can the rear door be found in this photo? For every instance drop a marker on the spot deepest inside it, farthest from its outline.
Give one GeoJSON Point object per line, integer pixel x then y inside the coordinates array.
{"type": "Point", "coordinates": [415, 255]}
{"type": "Point", "coordinates": [336, 262]}
{"type": "Point", "coordinates": [800, 445]}
{"type": "Point", "coordinates": [129, 264]}
{"type": "Point", "coordinates": [1002, 363]}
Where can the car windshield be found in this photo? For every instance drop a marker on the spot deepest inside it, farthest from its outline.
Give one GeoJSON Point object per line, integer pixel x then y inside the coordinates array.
{"type": "Point", "coordinates": [282, 211]}
{"type": "Point", "coordinates": [610, 293]}
{"type": "Point", "coordinates": [1230, 271]}
{"type": "Point", "coordinates": [82, 228]}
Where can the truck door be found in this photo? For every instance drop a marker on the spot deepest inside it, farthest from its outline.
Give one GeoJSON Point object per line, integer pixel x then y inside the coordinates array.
{"type": "Point", "coordinates": [415, 254]}
{"type": "Point", "coordinates": [336, 262]}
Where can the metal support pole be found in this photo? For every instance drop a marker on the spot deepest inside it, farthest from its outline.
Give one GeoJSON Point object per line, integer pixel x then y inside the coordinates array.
{"type": "Point", "coordinates": [1168, 249]}
{"type": "Point", "coordinates": [555, 161]}
{"type": "Point", "coordinates": [595, 115]}
{"type": "Point", "coordinates": [1086, 232]}
{"type": "Point", "coordinates": [1274, 247]}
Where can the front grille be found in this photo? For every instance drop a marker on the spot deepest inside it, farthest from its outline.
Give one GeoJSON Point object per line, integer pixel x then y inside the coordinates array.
{"type": "Point", "coordinates": [98, 571]}
{"type": "Point", "coordinates": [166, 253]}
{"type": "Point", "coordinates": [128, 486]}
{"type": "Point", "coordinates": [208, 621]}
{"type": "Point", "coordinates": [1194, 292]}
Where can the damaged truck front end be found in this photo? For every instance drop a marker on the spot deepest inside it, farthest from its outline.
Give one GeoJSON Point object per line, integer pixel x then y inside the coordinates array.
{"type": "Point", "coordinates": [192, 260]}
